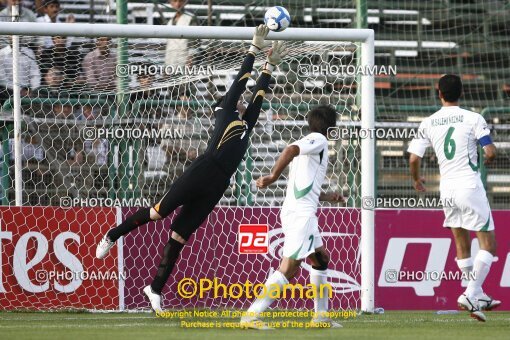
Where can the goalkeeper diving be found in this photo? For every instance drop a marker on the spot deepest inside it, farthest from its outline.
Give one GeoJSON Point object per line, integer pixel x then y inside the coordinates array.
{"type": "Point", "coordinates": [203, 183]}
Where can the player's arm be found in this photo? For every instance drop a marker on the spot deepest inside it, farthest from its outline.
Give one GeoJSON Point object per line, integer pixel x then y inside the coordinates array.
{"type": "Point", "coordinates": [482, 134]}
{"type": "Point", "coordinates": [274, 57]}
{"type": "Point", "coordinates": [414, 166]}
{"type": "Point", "coordinates": [489, 153]}
{"type": "Point", "coordinates": [237, 88]}
{"type": "Point", "coordinates": [288, 154]}
{"type": "Point", "coordinates": [305, 146]}
{"type": "Point", "coordinates": [417, 149]}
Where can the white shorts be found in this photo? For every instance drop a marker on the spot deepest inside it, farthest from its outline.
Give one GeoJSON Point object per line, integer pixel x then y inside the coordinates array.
{"type": "Point", "coordinates": [467, 208]}
{"type": "Point", "coordinates": [301, 235]}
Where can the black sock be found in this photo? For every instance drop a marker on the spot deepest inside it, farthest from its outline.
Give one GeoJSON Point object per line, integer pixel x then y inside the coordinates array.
{"type": "Point", "coordinates": [170, 255]}
{"type": "Point", "coordinates": [140, 217]}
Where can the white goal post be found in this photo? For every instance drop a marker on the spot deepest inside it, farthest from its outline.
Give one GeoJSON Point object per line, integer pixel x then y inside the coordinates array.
{"type": "Point", "coordinates": [365, 37]}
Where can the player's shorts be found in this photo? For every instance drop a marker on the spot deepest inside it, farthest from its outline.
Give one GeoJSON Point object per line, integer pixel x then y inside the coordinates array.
{"type": "Point", "coordinates": [197, 190]}
{"type": "Point", "coordinates": [301, 235]}
{"type": "Point", "coordinates": [467, 208]}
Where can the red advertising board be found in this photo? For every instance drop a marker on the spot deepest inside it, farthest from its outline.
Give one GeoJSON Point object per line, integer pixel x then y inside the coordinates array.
{"type": "Point", "coordinates": [253, 239]}
{"type": "Point", "coordinates": [415, 261]}
{"type": "Point", "coordinates": [48, 259]}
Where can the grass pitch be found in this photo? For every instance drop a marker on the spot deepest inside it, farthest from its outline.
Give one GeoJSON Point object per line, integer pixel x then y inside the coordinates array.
{"type": "Point", "coordinates": [391, 325]}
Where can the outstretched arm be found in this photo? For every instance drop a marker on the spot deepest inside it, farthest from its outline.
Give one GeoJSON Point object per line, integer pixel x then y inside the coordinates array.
{"type": "Point", "coordinates": [237, 88]}
{"type": "Point", "coordinates": [283, 161]}
{"type": "Point", "coordinates": [274, 57]}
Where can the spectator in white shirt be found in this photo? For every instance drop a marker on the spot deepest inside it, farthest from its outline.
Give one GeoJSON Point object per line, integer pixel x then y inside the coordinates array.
{"type": "Point", "coordinates": [177, 53]}
{"type": "Point", "coordinates": [25, 15]}
{"type": "Point", "coordinates": [31, 149]}
{"type": "Point", "coordinates": [29, 74]}
{"type": "Point", "coordinates": [52, 9]}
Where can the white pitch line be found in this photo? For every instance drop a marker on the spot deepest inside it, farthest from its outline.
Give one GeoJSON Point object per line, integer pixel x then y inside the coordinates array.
{"type": "Point", "coordinates": [105, 325]}
{"type": "Point", "coordinates": [77, 318]}
{"type": "Point", "coordinates": [173, 323]}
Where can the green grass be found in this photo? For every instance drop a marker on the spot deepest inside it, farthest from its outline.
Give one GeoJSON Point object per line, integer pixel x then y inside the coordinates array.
{"type": "Point", "coordinates": [391, 325]}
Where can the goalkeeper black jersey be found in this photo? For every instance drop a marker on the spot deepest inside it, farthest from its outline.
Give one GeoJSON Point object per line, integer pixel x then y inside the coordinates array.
{"type": "Point", "coordinates": [230, 138]}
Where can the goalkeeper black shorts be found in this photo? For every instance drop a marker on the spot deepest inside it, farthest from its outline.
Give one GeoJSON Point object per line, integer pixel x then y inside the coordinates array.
{"type": "Point", "coordinates": [197, 190]}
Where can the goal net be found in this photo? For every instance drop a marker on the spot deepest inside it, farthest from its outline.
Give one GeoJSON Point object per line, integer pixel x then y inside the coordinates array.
{"type": "Point", "coordinates": [106, 124]}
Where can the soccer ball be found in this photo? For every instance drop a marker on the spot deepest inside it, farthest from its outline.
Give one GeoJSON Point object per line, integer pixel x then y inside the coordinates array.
{"type": "Point", "coordinates": [277, 18]}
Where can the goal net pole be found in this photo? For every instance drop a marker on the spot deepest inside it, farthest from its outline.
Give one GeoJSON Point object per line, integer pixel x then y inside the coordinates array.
{"type": "Point", "coordinates": [363, 36]}
{"type": "Point", "coordinates": [184, 32]}
{"type": "Point", "coordinates": [16, 89]}
{"type": "Point", "coordinates": [367, 178]}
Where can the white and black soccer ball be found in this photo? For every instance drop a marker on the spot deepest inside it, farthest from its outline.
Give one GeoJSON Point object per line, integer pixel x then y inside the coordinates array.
{"type": "Point", "coordinates": [277, 18]}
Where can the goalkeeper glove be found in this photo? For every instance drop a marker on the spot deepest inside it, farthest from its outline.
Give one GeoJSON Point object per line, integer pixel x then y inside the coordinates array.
{"type": "Point", "coordinates": [259, 37]}
{"type": "Point", "coordinates": [275, 55]}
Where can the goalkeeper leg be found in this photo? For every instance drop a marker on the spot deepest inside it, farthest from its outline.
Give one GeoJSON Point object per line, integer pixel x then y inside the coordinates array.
{"type": "Point", "coordinates": [170, 201]}
{"type": "Point", "coordinates": [185, 224]}
{"type": "Point", "coordinates": [183, 190]}
{"type": "Point", "coordinates": [189, 219]}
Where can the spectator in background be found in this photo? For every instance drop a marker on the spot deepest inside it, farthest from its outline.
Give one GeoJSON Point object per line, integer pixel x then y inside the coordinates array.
{"type": "Point", "coordinates": [63, 111]}
{"type": "Point", "coordinates": [177, 53]}
{"type": "Point", "coordinates": [99, 66]}
{"type": "Point", "coordinates": [186, 143]}
{"type": "Point", "coordinates": [51, 10]}
{"type": "Point", "coordinates": [96, 151]}
{"type": "Point", "coordinates": [87, 112]}
{"type": "Point", "coordinates": [52, 80]}
{"type": "Point", "coordinates": [25, 15]}
{"type": "Point", "coordinates": [37, 6]}
{"type": "Point", "coordinates": [145, 82]}
{"type": "Point", "coordinates": [31, 149]}
{"type": "Point", "coordinates": [66, 58]}
{"type": "Point", "coordinates": [29, 74]}
{"type": "Point", "coordinates": [75, 153]}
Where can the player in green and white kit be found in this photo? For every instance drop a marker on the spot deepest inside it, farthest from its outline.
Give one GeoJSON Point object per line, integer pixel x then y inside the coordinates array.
{"type": "Point", "coordinates": [308, 159]}
{"type": "Point", "coordinates": [455, 133]}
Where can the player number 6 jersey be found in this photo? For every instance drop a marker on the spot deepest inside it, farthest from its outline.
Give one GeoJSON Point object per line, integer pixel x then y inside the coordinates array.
{"type": "Point", "coordinates": [453, 133]}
